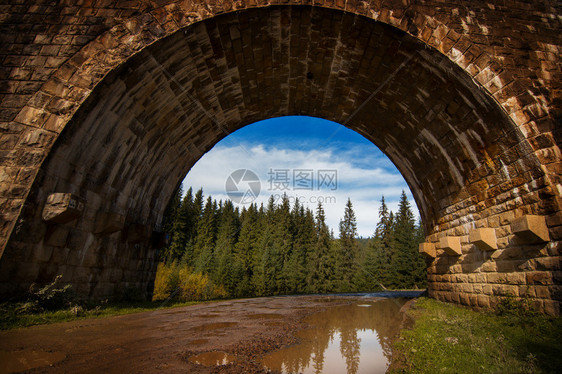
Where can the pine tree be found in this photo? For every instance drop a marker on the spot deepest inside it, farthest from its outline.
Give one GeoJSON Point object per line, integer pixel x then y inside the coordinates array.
{"type": "Point", "coordinates": [258, 280]}
{"type": "Point", "coordinates": [283, 239]}
{"type": "Point", "coordinates": [370, 274]}
{"type": "Point", "coordinates": [419, 267]}
{"type": "Point", "coordinates": [384, 226]}
{"type": "Point", "coordinates": [172, 209]}
{"type": "Point", "coordinates": [400, 261]}
{"type": "Point", "coordinates": [380, 247]}
{"type": "Point", "coordinates": [406, 263]}
{"type": "Point", "coordinates": [347, 267]}
{"type": "Point", "coordinates": [246, 249]}
{"type": "Point", "coordinates": [268, 272]}
{"type": "Point", "coordinates": [195, 213]}
{"type": "Point", "coordinates": [180, 229]}
{"type": "Point", "coordinates": [205, 239]}
{"type": "Point", "coordinates": [304, 236]}
{"type": "Point", "coordinates": [170, 217]}
{"type": "Point", "coordinates": [320, 272]}
{"type": "Point", "coordinates": [225, 272]}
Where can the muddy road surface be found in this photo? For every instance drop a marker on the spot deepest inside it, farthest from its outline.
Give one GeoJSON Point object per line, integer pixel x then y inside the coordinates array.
{"type": "Point", "coordinates": [239, 332]}
{"type": "Point", "coordinates": [304, 334]}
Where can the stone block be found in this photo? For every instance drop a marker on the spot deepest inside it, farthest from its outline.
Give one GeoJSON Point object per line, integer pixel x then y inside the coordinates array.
{"type": "Point", "coordinates": [137, 233]}
{"type": "Point", "coordinates": [483, 301]}
{"type": "Point", "coordinates": [464, 299]}
{"type": "Point", "coordinates": [42, 253]}
{"type": "Point", "coordinates": [484, 238]}
{"type": "Point", "coordinates": [531, 229]}
{"type": "Point", "coordinates": [451, 245]}
{"type": "Point", "coordinates": [551, 307]}
{"type": "Point", "coordinates": [539, 277]}
{"type": "Point", "coordinates": [516, 278]}
{"type": "Point", "coordinates": [59, 255]}
{"type": "Point", "coordinates": [542, 292]}
{"type": "Point", "coordinates": [90, 260]}
{"type": "Point", "coordinates": [427, 249]}
{"type": "Point", "coordinates": [63, 208]}
{"type": "Point", "coordinates": [108, 223]}
{"type": "Point", "coordinates": [489, 266]}
{"type": "Point", "coordinates": [57, 236]}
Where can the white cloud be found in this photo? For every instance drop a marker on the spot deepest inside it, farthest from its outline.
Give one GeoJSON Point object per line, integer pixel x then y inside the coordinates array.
{"type": "Point", "coordinates": [364, 185]}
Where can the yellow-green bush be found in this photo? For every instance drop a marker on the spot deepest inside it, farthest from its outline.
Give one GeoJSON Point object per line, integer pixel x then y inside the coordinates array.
{"type": "Point", "coordinates": [179, 282]}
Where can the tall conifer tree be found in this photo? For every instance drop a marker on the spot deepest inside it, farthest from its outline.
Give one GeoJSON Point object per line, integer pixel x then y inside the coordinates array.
{"type": "Point", "coordinates": [346, 268]}
{"type": "Point", "coordinates": [320, 269]}
{"type": "Point", "coordinates": [205, 239]}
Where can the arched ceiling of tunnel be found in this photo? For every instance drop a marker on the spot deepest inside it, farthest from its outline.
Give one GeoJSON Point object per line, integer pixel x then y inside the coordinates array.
{"type": "Point", "coordinates": [151, 119]}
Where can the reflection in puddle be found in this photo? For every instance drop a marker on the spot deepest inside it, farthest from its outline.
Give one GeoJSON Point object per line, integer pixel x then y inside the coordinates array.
{"type": "Point", "coordinates": [344, 339]}
{"type": "Point", "coordinates": [18, 361]}
{"type": "Point", "coordinates": [212, 358]}
{"type": "Point", "coordinates": [213, 326]}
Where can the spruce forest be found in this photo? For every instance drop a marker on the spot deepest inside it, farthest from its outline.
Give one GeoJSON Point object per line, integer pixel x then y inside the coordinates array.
{"type": "Point", "coordinates": [217, 250]}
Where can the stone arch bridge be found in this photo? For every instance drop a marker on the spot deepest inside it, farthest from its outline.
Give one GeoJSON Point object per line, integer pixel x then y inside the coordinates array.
{"type": "Point", "coordinates": [106, 104]}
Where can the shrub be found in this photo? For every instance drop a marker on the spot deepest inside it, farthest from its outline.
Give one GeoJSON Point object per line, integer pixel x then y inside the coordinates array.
{"type": "Point", "coordinates": [49, 297]}
{"type": "Point", "coordinates": [177, 281]}
{"type": "Point", "coordinates": [166, 281]}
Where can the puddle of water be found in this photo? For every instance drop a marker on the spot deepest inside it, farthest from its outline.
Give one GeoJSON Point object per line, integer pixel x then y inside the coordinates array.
{"type": "Point", "coordinates": [212, 358]}
{"type": "Point", "coordinates": [213, 326]}
{"type": "Point", "coordinates": [349, 339]}
{"type": "Point", "coordinates": [18, 361]}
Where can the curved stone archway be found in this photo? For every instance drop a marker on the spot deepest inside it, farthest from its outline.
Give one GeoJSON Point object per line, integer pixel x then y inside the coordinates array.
{"type": "Point", "coordinates": [434, 111]}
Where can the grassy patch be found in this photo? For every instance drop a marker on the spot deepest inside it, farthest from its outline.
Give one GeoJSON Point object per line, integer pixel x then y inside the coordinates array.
{"type": "Point", "coordinates": [13, 315]}
{"type": "Point", "coordinates": [449, 339]}
{"type": "Point", "coordinates": [58, 303]}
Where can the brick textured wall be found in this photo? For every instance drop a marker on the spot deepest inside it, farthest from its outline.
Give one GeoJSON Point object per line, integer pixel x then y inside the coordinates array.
{"type": "Point", "coordinates": [113, 101]}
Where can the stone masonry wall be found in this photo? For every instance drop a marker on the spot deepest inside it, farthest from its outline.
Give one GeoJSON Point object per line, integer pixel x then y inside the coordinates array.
{"type": "Point", "coordinates": [476, 105]}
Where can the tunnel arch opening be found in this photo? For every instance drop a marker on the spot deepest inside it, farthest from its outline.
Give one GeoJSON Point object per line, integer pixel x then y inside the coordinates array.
{"type": "Point", "coordinates": [310, 160]}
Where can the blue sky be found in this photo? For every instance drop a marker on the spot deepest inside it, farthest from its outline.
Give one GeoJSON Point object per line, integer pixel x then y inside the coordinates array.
{"type": "Point", "coordinates": [291, 154]}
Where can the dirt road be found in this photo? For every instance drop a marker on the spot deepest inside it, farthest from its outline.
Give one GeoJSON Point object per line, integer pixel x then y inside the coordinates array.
{"type": "Point", "coordinates": [163, 340]}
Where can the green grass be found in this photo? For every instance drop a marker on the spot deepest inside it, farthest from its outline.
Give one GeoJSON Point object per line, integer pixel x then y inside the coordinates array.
{"type": "Point", "coordinates": [12, 316]}
{"type": "Point", "coordinates": [449, 339]}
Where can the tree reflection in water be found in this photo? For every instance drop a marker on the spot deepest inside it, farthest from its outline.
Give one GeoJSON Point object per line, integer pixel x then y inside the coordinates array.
{"type": "Point", "coordinates": [352, 338]}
